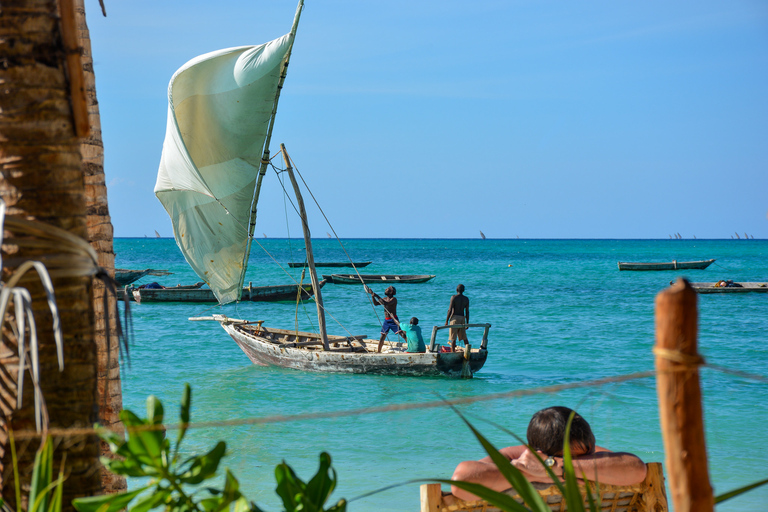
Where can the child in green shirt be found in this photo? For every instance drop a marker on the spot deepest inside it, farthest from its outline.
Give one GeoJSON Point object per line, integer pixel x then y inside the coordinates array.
{"type": "Point", "coordinates": [413, 335]}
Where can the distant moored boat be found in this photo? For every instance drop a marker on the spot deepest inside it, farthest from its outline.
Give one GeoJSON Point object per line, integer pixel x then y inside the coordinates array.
{"type": "Point", "coordinates": [671, 265]}
{"type": "Point", "coordinates": [376, 278]}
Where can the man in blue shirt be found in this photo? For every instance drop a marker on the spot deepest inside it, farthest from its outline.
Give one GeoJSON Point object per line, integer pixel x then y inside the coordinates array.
{"type": "Point", "coordinates": [413, 335]}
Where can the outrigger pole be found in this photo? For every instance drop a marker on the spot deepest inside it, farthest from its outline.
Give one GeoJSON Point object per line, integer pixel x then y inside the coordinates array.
{"type": "Point", "coordinates": [308, 246]}
{"type": "Point", "coordinates": [265, 155]}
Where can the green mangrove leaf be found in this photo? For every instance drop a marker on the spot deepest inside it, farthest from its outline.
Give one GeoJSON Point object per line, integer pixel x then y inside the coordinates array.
{"type": "Point", "coordinates": [231, 486]}
{"type": "Point", "coordinates": [205, 466]}
{"type": "Point", "coordinates": [113, 502]}
{"type": "Point", "coordinates": [126, 467]}
{"type": "Point", "coordinates": [147, 446]}
{"type": "Point", "coordinates": [242, 505]}
{"type": "Point", "coordinates": [113, 439]}
{"type": "Point", "coordinates": [154, 410]}
{"type": "Point", "coordinates": [341, 506]}
{"type": "Point", "coordinates": [323, 483]}
{"type": "Point", "coordinates": [289, 486]}
{"type": "Point", "coordinates": [150, 501]}
{"type": "Point", "coordinates": [130, 419]}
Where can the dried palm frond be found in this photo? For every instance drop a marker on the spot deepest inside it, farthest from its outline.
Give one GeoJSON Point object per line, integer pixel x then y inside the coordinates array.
{"type": "Point", "coordinates": [68, 256]}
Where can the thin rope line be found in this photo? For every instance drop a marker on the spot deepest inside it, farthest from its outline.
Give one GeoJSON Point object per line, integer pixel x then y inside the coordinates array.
{"type": "Point", "coordinates": [296, 282]}
{"type": "Point", "coordinates": [60, 432]}
{"type": "Point", "coordinates": [370, 299]}
{"type": "Point", "coordinates": [738, 373]}
{"type": "Point", "coordinates": [290, 252]}
{"type": "Point", "coordinates": [285, 193]}
{"type": "Point", "coordinates": [279, 418]}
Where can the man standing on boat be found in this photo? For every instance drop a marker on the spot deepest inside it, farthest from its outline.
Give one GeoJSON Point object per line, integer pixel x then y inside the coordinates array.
{"type": "Point", "coordinates": [391, 322]}
{"type": "Point", "coordinates": [458, 313]}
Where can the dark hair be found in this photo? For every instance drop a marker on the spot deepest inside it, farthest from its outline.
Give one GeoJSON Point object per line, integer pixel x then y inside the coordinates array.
{"type": "Point", "coordinates": [390, 291]}
{"type": "Point", "coordinates": [414, 321]}
{"type": "Point", "coordinates": [546, 431]}
{"type": "Point", "coordinates": [460, 288]}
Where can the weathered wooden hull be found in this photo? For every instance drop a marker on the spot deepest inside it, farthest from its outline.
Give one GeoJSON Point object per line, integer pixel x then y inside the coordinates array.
{"type": "Point", "coordinates": [376, 278]}
{"type": "Point", "coordinates": [745, 287]}
{"type": "Point", "coordinates": [671, 265]}
{"type": "Point", "coordinates": [275, 347]}
{"type": "Point", "coordinates": [252, 293]}
{"type": "Point", "coordinates": [332, 264]}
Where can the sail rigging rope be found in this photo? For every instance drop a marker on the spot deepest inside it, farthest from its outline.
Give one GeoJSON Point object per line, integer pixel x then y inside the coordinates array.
{"type": "Point", "coordinates": [290, 253]}
{"type": "Point", "coordinates": [296, 282]}
{"type": "Point", "coordinates": [285, 194]}
{"type": "Point", "coordinates": [370, 298]}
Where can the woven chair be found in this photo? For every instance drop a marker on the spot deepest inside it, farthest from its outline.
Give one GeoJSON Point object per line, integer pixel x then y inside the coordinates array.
{"type": "Point", "coordinates": [647, 496]}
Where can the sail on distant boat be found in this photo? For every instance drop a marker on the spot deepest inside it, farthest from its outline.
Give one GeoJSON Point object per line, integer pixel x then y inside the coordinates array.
{"type": "Point", "coordinates": [737, 235]}
{"type": "Point", "coordinates": [482, 235]}
{"type": "Point", "coordinates": [221, 113]}
{"type": "Point", "coordinates": [157, 235]}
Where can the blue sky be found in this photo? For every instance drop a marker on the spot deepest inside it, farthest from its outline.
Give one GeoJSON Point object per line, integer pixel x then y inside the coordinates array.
{"type": "Point", "coordinates": [431, 119]}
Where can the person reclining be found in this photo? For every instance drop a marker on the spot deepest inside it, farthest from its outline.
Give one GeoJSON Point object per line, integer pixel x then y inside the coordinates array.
{"type": "Point", "coordinates": [546, 435]}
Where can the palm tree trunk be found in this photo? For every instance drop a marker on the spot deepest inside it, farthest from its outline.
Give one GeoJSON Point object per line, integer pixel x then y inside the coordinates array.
{"type": "Point", "coordinates": [100, 237]}
{"type": "Point", "coordinates": [41, 178]}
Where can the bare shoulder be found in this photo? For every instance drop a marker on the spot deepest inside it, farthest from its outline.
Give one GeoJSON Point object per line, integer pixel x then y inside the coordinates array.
{"type": "Point", "coordinates": [513, 452]}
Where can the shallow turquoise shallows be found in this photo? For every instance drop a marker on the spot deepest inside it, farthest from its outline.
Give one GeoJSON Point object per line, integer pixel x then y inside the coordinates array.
{"type": "Point", "coordinates": [561, 312]}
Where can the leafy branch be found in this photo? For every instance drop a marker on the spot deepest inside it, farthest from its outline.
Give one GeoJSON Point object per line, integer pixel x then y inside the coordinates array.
{"type": "Point", "coordinates": [176, 484]}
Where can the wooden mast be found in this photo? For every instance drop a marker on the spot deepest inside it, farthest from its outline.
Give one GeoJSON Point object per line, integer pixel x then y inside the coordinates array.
{"type": "Point", "coordinates": [308, 247]}
{"type": "Point", "coordinates": [265, 155]}
{"type": "Point", "coordinates": [680, 411]}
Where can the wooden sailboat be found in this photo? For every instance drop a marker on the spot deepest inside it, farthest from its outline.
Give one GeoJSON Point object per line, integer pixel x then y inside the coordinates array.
{"type": "Point", "coordinates": [211, 190]}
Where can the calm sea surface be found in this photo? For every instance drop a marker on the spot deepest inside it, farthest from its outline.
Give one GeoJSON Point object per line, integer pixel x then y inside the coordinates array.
{"type": "Point", "coordinates": [561, 313]}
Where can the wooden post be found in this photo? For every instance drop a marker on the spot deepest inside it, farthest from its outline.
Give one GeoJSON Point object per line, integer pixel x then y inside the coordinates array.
{"type": "Point", "coordinates": [308, 247]}
{"type": "Point", "coordinates": [431, 496]}
{"type": "Point", "coordinates": [680, 410]}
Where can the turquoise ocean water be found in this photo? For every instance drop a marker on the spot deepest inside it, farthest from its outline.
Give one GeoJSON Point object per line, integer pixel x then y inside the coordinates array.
{"type": "Point", "coordinates": [561, 313]}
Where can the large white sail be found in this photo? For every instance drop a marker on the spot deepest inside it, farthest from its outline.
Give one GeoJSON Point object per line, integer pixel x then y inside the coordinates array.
{"type": "Point", "coordinates": [219, 108]}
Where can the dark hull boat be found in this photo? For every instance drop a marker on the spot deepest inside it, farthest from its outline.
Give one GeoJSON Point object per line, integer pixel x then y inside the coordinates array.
{"type": "Point", "coordinates": [740, 287]}
{"type": "Point", "coordinates": [667, 265]}
{"type": "Point", "coordinates": [330, 264]}
{"type": "Point", "coordinates": [276, 293]}
{"type": "Point", "coordinates": [376, 278]}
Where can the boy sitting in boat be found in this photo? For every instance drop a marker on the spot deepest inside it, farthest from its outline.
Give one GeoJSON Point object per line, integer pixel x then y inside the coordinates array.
{"type": "Point", "coordinates": [391, 322]}
{"type": "Point", "coordinates": [546, 435]}
{"type": "Point", "coordinates": [412, 333]}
